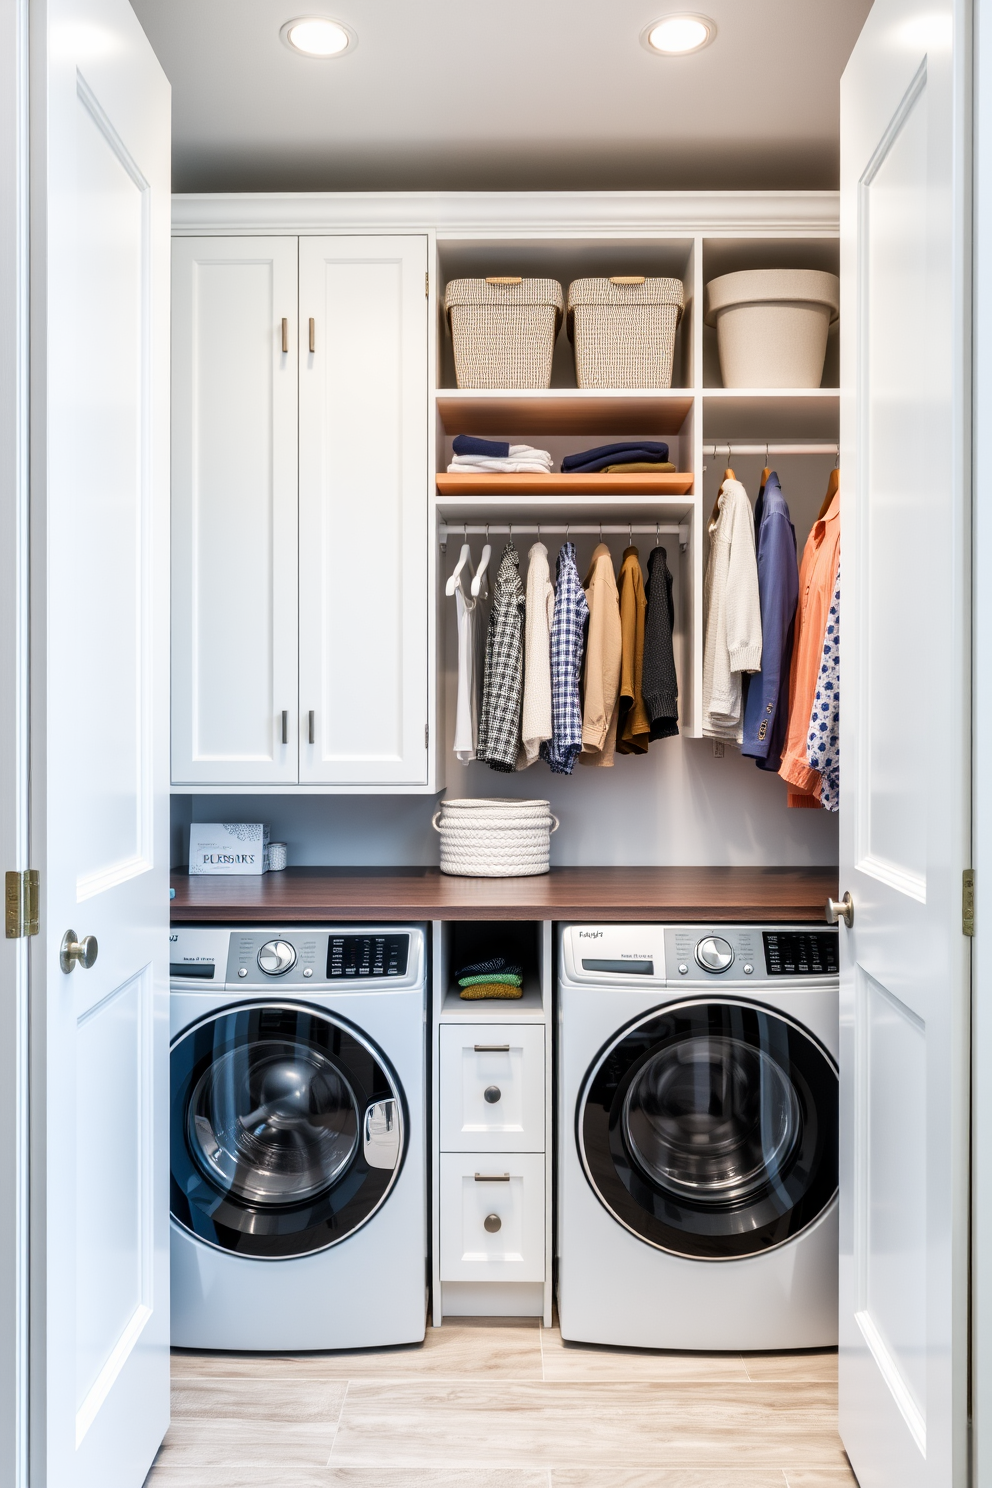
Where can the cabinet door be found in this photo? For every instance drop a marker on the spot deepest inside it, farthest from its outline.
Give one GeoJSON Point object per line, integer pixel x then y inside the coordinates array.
{"type": "Point", "coordinates": [492, 1088]}
{"type": "Point", "coordinates": [234, 511]}
{"type": "Point", "coordinates": [363, 510]}
{"type": "Point", "coordinates": [492, 1216]}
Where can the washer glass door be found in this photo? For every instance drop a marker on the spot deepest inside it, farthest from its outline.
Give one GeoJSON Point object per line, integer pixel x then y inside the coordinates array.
{"type": "Point", "coordinates": [709, 1129]}
{"type": "Point", "coordinates": [287, 1130]}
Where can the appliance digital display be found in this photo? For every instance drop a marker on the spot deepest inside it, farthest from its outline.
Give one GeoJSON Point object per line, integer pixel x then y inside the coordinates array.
{"type": "Point", "coordinates": [638, 968]}
{"type": "Point", "coordinates": [204, 969]}
{"type": "Point", "coordinates": [367, 956]}
{"type": "Point", "coordinates": [800, 953]}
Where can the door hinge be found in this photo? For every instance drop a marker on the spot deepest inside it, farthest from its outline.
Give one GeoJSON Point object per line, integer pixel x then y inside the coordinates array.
{"type": "Point", "coordinates": [427, 736]}
{"type": "Point", "coordinates": [968, 902]}
{"type": "Point", "coordinates": [21, 895]}
{"type": "Point", "coordinates": [427, 286]}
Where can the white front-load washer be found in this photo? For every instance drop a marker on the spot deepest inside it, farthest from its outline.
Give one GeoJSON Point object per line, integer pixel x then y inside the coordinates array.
{"type": "Point", "coordinates": [697, 1136]}
{"type": "Point", "coordinates": [298, 1137]}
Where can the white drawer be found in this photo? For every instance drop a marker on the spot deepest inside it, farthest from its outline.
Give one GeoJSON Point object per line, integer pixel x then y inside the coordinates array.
{"type": "Point", "coordinates": [503, 1187]}
{"type": "Point", "coordinates": [491, 1088]}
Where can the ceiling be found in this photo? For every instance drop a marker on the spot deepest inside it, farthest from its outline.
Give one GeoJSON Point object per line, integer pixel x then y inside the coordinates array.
{"type": "Point", "coordinates": [520, 95]}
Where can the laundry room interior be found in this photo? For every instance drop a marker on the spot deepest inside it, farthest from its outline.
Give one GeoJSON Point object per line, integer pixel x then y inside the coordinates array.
{"type": "Point", "coordinates": [448, 430]}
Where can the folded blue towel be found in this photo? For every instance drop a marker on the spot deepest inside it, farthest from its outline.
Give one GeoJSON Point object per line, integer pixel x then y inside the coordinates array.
{"type": "Point", "coordinates": [614, 454]}
{"type": "Point", "coordinates": [467, 444]}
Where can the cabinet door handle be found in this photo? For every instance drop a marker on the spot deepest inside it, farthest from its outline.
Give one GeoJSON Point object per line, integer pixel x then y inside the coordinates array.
{"type": "Point", "coordinates": [285, 334]}
{"type": "Point", "coordinates": [313, 336]}
{"type": "Point", "coordinates": [285, 725]}
{"type": "Point", "coordinates": [491, 1048]}
{"type": "Point", "coordinates": [492, 1177]}
{"type": "Point", "coordinates": [311, 732]}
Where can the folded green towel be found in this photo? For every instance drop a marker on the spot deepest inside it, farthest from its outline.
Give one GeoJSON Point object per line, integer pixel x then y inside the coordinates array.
{"type": "Point", "coordinates": [508, 979]}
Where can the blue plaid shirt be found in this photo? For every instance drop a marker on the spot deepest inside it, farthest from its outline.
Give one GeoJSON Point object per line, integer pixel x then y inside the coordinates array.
{"type": "Point", "coordinates": [567, 639]}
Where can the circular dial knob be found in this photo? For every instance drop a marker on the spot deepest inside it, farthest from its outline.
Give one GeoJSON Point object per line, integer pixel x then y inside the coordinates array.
{"type": "Point", "coordinates": [713, 953]}
{"type": "Point", "coordinates": [276, 957]}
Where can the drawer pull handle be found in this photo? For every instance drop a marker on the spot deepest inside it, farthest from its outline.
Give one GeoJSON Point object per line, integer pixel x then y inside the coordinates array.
{"type": "Point", "coordinates": [492, 1094]}
{"type": "Point", "coordinates": [492, 1177]}
{"type": "Point", "coordinates": [492, 1223]}
{"type": "Point", "coordinates": [492, 1048]}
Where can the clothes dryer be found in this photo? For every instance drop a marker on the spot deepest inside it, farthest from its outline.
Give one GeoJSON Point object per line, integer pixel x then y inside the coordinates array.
{"type": "Point", "coordinates": [298, 1137]}
{"type": "Point", "coordinates": [697, 1136]}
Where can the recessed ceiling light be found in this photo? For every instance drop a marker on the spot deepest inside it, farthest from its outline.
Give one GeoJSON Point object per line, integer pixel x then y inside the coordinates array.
{"type": "Point", "coordinates": [318, 36]}
{"type": "Point", "coordinates": [675, 35]}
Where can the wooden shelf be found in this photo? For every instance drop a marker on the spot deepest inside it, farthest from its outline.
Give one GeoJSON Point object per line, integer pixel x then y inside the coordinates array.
{"type": "Point", "coordinates": [674, 483]}
{"type": "Point", "coordinates": [346, 895]}
{"type": "Point", "coordinates": [564, 411]}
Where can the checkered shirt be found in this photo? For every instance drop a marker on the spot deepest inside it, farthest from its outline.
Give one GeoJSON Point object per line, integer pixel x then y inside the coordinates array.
{"type": "Point", "coordinates": [502, 686]}
{"type": "Point", "coordinates": [567, 642]}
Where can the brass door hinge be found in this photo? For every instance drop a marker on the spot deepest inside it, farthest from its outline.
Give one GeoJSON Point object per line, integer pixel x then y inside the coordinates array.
{"type": "Point", "coordinates": [968, 902]}
{"type": "Point", "coordinates": [427, 736]}
{"type": "Point", "coordinates": [427, 286]}
{"type": "Point", "coordinates": [21, 893]}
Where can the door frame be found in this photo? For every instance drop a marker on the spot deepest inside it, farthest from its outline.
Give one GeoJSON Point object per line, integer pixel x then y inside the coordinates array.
{"type": "Point", "coordinates": [14, 729]}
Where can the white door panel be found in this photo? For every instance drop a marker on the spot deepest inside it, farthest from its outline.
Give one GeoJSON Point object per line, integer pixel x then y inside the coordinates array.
{"type": "Point", "coordinates": [234, 537]}
{"type": "Point", "coordinates": [363, 510]}
{"type": "Point", "coordinates": [100, 754]}
{"type": "Point", "coordinates": [905, 789]}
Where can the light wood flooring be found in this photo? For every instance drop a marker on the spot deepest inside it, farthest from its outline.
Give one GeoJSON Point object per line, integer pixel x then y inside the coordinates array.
{"type": "Point", "coordinates": [502, 1403]}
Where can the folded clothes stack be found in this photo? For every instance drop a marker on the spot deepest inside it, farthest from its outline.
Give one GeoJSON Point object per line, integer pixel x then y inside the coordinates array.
{"type": "Point", "coordinates": [495, 977]}
{"type": "Point", "coordinates": [492, 457]}
{"type": "Point", "coordinates": [619, 459]}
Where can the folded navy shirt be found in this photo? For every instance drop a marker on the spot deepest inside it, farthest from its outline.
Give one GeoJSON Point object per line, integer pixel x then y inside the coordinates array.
{"type": "Point", "coordinates": [467, 444]}
{"type": "Point", "coordinates": [614, 454]}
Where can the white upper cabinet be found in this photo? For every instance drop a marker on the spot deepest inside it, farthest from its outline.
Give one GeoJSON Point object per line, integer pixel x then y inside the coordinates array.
{"type": "Point", "coordinates": [234, 527]}
{"type": "Point", "coordinates": [363, 510]}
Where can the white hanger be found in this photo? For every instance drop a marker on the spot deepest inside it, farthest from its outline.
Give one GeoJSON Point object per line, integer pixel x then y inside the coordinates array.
{"type": "Point", "coordinates": [464, 557]}
{"type": "Point", "coordinates": [487, 553]}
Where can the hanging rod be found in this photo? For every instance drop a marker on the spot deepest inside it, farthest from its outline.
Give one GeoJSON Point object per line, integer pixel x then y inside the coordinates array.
{"type": "Point", "coordinates": [727, 448]}
{"type": "Point", "coordinates": [578, 529]}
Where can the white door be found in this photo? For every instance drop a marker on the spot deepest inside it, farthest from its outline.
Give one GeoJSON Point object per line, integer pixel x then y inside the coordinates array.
{"type": "Point", "coordinates": [100, 552]}
{"type": "Point", "coordinates": [905, 747]}
{"type": "Point", "coordinates": [234, 511]}
{"type": "Point", "coordinates": [363, 510]}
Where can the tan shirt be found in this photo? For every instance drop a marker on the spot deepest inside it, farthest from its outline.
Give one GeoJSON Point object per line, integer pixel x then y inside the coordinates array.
{"type": "Point", "coordinates": [635, 725]}
{"type": "Point", "coordinates": [604, 650]}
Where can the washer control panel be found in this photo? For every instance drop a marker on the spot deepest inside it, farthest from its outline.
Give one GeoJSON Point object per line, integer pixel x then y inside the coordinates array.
{"type": "Point", "coordinates": [696, 954]}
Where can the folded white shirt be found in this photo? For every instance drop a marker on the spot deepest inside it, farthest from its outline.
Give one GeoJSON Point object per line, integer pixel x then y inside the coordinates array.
{"type": "Point", "coordinates": [499, 467]}
{"type": "Point", "coordinates": [517, 453]}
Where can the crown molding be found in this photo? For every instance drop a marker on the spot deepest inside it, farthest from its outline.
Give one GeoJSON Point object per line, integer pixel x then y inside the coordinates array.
{"type": "Point", "coordinates": [485, 214]}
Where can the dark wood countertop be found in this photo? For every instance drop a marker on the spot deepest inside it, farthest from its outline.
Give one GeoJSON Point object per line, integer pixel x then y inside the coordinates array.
{"type": "Point", "coordinates": [387, 894]}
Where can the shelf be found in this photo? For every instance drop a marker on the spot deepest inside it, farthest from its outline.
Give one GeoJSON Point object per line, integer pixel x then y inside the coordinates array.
{"type": "Point", "coordinates": [675, 483]}
{"type": "Point", "coordinates": [770, 413]}
{"type": "Point", "coordinates": [528, 507]}
{"type": "Point", "coordinates": [563, 411]}
{"type": "Point", "coordinates": [528, 1008]}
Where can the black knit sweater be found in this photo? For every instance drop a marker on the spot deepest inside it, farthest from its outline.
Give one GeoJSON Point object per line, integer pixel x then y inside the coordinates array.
{"type": "Point", "coordinates": [659, 684]}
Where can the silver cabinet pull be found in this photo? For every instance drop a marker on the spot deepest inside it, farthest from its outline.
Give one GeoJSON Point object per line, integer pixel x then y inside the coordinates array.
{"type": "Point", "coordinates": [311, 735]}
{"type": "Point", "coordinates": [285, 334]}
{"type": "Point", "coordinates": [73, 952]}
{"type": "Point", "coordinates": [313, 335]}
{"type": "Point", "coordinates": [382, 1134]}
{"type": "Point", "coordinates": [285, 725]}
{"type": "Point", "coordinates": [492, 1177]}
{"type": "Point", "coordinates": [491, 1048]}
{"type": "Point", "coordinates": [491, 1094]}
{"type": "Point", "coordinates": [492, 1223]}
{"type": "Point", "coordinates": [840, 909]}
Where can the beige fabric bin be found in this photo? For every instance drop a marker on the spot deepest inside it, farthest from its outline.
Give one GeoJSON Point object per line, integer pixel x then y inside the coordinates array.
{"type": "Point", "coordinates": [494, 837]}
{"type": "Point", "coordinates": [503, 330]}
{"type": "Point", "coordinates": [772, 325]}
{"type": "Point", "coordinates": [623, 330]}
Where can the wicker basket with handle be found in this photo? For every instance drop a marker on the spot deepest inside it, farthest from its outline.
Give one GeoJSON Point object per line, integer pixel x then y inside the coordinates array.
{"type": "Point", "coordinates": [492, 837]}
{"type": "Point", "coordinates": [503, 330]}
{"type": "Point", "coordinates": [623, 330]}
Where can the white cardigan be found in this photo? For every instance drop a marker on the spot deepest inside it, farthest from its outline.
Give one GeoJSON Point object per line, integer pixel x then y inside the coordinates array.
{"type": "Point", "coordinates": [535, 722]}
{"type": "Point", "coordinates": [732, 643]}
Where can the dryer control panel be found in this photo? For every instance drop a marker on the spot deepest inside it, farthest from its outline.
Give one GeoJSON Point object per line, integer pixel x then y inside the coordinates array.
{"type": "Point", "coordinates": [696, 955]}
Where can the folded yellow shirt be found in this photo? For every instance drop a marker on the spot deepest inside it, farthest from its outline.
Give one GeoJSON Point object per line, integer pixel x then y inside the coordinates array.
{"type": "Point", "coordinates": [663, 465]}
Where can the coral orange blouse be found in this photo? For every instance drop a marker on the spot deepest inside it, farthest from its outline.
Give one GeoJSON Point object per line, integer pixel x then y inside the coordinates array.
{"type": "Point", "coordinates": [816, 586]}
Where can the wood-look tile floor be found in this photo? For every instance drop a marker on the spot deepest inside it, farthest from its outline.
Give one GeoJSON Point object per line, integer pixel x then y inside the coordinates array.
{"type": "Point", "coordinates": [502, 1403]}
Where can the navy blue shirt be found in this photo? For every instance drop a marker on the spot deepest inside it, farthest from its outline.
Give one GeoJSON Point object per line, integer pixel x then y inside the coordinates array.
{"type": "Point", "coordinates": [766, 711]}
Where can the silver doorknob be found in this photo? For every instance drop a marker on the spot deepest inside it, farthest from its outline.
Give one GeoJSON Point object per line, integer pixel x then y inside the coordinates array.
{"type": "Point", "coordinates": [492, 1094]}
{"type": "Point", "coordinates": [840, 909]}
{"type": "Point", "coordinates": [492, 1223]}
{"type": "Point", "coordinates": [73, 952]}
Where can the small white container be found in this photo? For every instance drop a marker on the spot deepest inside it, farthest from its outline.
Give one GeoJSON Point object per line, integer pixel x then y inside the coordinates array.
{"type": "Point", "coordinates": [772, 324]}
{"type": "Point", "coordinates": [489, 837]}
{"type": "Point", "coordinates": [278, 856]}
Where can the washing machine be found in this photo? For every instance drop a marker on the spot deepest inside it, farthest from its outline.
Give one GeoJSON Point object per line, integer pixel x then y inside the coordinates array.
{"type": "Point", "coordinates": [697, 1136]}
{"type": "Point", "coordinates": [298, 1129]}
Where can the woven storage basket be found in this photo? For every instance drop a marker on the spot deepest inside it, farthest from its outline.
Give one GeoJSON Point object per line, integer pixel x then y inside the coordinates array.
{"type": "Point", "coordinates": [489, 837]}
{"type": "Point", "coordinates": [503, 331]}
{"type": "Point", "coordinates": [623, 331]}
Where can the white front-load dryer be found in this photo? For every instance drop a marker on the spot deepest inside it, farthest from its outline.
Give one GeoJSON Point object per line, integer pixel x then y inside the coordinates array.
{"type": "Point", "coordinates": [298, 1137]}
{"type": "Point", "coordinates": [697, 1136]}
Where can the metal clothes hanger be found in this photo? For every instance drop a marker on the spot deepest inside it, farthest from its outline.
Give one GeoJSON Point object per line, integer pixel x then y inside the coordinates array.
{"type": "Point", "coordinates": [767, 470]}
{"type": "Point", "coordinates": [728, 474]}
{"type": "Point", "coordinates": [480, 575]}
{"type": "Point", "coordinates": [464, 558]}
{"type": "Point", "coordinates": [833, 486]}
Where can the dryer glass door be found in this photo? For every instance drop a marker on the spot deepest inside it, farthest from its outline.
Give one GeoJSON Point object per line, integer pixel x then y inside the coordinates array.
{"type": "Point", "coordinates": [287, 1130]}
{"type": "Point", "coordinates": [709, 1129]}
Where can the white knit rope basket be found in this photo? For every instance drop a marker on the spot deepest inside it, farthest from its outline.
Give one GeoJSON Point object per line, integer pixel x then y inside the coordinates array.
{"type": "Point", "coordinates": [503, 332]}
{"type": "Point", "coordinates": [624, 332]}
{"type": "Point", "coordinates": [493, 837]}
